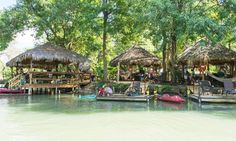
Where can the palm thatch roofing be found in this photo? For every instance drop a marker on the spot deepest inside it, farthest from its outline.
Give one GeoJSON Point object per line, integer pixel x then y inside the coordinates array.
{"type": "Point", "coordinates": [46, 55]}
{"type": "Point", "coordinates": [205, 53]}
{"type": "Point", "coordinates": [136, 56]}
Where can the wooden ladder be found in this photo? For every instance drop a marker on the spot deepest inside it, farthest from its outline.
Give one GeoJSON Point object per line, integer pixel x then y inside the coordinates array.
{"type": "Point", "coordinates": [15, 82]}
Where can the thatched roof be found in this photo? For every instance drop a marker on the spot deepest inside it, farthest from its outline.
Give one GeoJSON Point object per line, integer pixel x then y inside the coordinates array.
{"type": "Point", "coordinates": [136, 56]}
{"type": "Point", "coordinates": [207, 53]}
{"type": "Point", "coordinates": [46, 55]}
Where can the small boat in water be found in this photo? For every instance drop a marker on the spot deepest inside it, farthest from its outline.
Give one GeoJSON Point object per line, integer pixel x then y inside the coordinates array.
{"type": "Point", "coordinates": [171, 98]}
{"type": "Point", "coordinates": [123, 97]}
{"type": "Point", "coordinates": [10, 91]}
{"type": "Point", "coordinates": [93, 96]}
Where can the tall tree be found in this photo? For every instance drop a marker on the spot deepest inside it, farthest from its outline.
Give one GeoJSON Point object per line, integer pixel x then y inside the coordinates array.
{"type": "Point", "coordinates": [105, 13]}
{"type": "Point", "coordinates": [119, 17]}
{"type": "Point", "coordinates": [179, 19]}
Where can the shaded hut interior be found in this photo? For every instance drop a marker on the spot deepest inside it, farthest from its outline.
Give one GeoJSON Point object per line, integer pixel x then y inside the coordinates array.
{"type": "Point", "coordinates": [133, 60]}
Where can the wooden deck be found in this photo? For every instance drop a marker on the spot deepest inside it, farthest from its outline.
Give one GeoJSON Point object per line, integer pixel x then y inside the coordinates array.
{"type": "Point", "coordinates": [215, 98]}
{"type": "Point", "coordinates": [122, 97]}
{"type": "Point", "coordinates": [50, 80]}
{"type": "Point", "coordinates": [85, 82]}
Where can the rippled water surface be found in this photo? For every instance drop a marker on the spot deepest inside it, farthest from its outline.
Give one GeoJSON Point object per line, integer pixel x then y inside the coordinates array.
{"type": "Point", "coordinates": [66, 118]}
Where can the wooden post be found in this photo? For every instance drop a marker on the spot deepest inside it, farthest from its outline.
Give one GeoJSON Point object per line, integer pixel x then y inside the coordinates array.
{"type": "Point", "coordinates": [234, 69]}
{"type": "Point", "coordinates": [118, 72]}
{"type": "Point", "coordinates": [30, 78]}
{"type": "Point", "coordinates": [203, 78]}
{"type": "Point", "coordinates": [17, 70]}
{"type": "Point", "coordinates": [12, 72]}
{"type": "Point", "coordinates": [57, 68]}
{"type": "Point", "coordinates": [183, 71]}
{"type": "Point", "coordinates": [56, 90]}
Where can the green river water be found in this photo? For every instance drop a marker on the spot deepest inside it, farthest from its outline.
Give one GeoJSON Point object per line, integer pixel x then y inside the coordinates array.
{"type": "Point", "coordinates": [67, 118]}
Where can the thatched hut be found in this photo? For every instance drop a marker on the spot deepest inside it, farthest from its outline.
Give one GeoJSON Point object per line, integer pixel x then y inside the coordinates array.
{"type": "Point", "coordinates": [135, 56]}
{"type": "Point", "coordinates": [205, 53]}
{"type": "Point", "coordinates": [46, 55]}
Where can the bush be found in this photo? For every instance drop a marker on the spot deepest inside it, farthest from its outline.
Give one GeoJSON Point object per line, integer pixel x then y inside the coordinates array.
{"type": "Point", "coordinates": [172, 89]}
{"type": "Point", "coordinates": [120, 87]}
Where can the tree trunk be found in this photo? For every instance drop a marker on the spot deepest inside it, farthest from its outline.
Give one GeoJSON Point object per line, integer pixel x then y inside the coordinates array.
{"type": "Point", "coordinates": [173, 54]}
{"type": "Point", "coordinates": [104, 44]}
{"type": "Point", "coordinates": [164, 56]}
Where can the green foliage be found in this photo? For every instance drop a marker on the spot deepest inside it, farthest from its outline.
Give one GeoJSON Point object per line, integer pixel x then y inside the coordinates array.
{"type": "Point", "coordinates": [112, 73]}
{"type": "Point", "coordinates": [120, 87]}
{"type": "Point", "coordinates": [5, 72]}
{"type": "Point", "coordinates": [172, 89]}
{"type": "Point", "coordinates": [64, 22]}
{"type": "Point", "coordinates": [11, 22]}
{"type": "Point", "coordinates": [188, 17]}
{"type": "Point", "coordinates": [165, 88]}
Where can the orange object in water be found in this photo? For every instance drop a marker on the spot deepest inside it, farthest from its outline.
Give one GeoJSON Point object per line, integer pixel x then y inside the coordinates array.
{"type": "Point", "coordinates": [169, 98]}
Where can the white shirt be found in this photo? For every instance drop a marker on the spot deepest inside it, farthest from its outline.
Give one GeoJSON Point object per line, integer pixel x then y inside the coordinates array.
{"type": "Point", "coordinates": [108, 90]}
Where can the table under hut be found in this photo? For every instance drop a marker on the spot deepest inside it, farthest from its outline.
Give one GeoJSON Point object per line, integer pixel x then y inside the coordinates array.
{"type": "Point", "coordinates": [48, 67]}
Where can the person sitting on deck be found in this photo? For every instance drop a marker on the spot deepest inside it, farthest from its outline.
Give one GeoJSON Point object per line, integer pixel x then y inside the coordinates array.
{"type": "Point", "coordinates": [186, 76]}
{"type": "Point", "coordinates": [108, 91]}
{"type": "Point", "coordinates": [141, 74]}
{"type": "Point", "coordinates": [101, 91]}
{"type": "Point", "coordinates": [221, 72]}
{"type": "Point", "coordinates": [105, 91]}
{"type": "Point", "coordinates": [122, 75]}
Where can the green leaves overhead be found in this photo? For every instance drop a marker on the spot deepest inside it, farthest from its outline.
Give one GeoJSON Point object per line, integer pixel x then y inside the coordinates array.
{"type": "Point", "coordinates": [12, 21]}
{"type": "Point", "coordinates": [64, 22]}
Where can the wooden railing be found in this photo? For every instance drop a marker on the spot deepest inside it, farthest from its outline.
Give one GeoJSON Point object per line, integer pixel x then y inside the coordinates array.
{"type": "Point", "coordinates": [58, 77]}
{"type": "Point", "coordinates": [50, 79]}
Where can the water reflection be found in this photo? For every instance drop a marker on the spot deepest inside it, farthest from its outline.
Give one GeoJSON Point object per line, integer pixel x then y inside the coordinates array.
{"type": "Point", "coordinates": [73, 105]}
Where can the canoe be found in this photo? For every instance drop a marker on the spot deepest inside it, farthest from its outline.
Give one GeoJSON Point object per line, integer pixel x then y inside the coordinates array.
{"type": "Point", "coordinates": [93, 96]}
{"type": "Point", "coordinates": [10, 91]}
{"type": "Point", "coordinates": [171, 98]}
